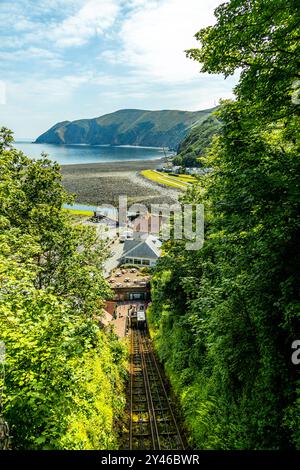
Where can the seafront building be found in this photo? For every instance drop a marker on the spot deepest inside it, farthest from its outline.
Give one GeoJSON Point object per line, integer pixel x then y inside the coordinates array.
{"type": "Point", "coordinates": [142, 251]}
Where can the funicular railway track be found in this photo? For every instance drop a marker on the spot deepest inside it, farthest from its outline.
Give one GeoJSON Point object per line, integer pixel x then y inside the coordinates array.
{"type": "Point", "coordinates": [153, 425]}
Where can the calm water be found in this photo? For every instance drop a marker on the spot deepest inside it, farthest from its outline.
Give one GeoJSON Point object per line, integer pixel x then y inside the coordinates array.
{"type": "Point", "coordinates": [104, 210]}
{"type": "Point", "coordinates": [72, 154]}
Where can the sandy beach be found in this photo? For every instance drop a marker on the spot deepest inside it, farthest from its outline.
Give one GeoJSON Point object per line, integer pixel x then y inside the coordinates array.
{"type": "Point", "coordinates": [103, 183]}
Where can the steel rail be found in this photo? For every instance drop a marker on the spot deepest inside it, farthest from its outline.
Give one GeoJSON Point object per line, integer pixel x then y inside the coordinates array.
{"type": "Point", "coordinates": [152, 416]}
{"type": "Point", "coordinates": [160, 428]}
{"type": "Point", "coordinates": [167, 398]}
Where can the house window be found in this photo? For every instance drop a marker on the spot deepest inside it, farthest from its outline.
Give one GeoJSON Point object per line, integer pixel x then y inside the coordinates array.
{"type": "Point", "coordinates": [137, 261]}
{"type": "Point", "coordinates": [146, 262]}
{"type": "Point", "coordinates": [137, 296]}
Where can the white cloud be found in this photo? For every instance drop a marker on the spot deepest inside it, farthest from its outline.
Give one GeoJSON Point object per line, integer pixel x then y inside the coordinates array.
{"type": "Point", "coordinates": [156, 34]}
{"type": "Point", "coordinates": [77, 22]}
{"type": "Point", "coordinates": [33, 53]}
{"type": "Point", "coordinates": [95, 17]}
{"type": "Point", "coordinates": [44, 91]}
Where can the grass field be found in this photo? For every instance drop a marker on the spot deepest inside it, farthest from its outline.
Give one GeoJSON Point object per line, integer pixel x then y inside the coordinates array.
{"type": "Point", "coordinates": [185, 178]}
{"type": "Point", "coordinates": [175, 181]}
{"type": "Point", "coordinates": [80, 212]}
{"type": "Point", "coordinates": [77, 215]}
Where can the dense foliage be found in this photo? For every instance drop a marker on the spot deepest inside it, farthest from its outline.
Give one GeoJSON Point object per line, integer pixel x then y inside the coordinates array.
{"type": "Point", "coordinates": [192, 149]}
{"type": "Point", "coordinates": [64, 374]}
{"type": "Point", "coordinates": [224, 317]}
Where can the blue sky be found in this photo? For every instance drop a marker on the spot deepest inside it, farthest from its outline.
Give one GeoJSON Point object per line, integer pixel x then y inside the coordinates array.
{"type": "Point", "coordinates": [72, 59]}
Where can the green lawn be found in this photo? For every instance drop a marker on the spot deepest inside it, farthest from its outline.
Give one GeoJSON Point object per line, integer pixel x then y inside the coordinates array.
{"type": "Point", "coordinates": [185, 178]}
{"type": "Point", "coordinates": [77, 214]}
{"type": "Point", "coordinates": [174, 181]}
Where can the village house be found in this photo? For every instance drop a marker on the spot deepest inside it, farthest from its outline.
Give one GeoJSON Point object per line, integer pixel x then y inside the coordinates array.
{"type": "Point", "coordinates": [142, 251]}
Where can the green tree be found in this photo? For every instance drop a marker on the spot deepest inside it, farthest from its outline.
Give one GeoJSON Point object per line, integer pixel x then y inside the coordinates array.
{"type": "Point", "coordinates": [226, 316]}
{"type": "Point", "coordinates": [64, 373]}
{"type": "Point", "coordinates": [261, 39]}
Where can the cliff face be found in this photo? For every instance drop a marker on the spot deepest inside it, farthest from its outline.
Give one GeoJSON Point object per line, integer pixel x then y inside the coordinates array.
{"type": "Point", "coordinates": [127, 127]}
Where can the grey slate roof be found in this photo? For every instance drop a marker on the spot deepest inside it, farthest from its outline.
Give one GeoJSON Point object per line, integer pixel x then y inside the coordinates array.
{"type": "Point", "coordinates": [148, 248]}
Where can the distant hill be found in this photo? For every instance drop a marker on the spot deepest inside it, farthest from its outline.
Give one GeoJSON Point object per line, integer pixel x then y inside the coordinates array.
{"type": "Point", "coordinates": [127, 127]}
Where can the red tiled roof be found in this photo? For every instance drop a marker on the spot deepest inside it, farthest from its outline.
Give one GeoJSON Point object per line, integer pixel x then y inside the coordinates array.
{"type": "Point", "coordinates": [110, 306]}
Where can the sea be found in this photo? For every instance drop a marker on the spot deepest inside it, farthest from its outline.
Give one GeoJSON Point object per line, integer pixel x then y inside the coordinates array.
{"type": "Point", "coordinates": [75, 154]}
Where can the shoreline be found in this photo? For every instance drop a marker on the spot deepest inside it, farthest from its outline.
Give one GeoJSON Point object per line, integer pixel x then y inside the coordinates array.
{"type": "Point", "coordinates": [103, 183]}
{"type": "Point", "coordinates": [126, 165]}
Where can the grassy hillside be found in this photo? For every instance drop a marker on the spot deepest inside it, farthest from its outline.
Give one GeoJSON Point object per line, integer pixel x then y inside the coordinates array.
{"type": "Point", "coordinates": [192, 148]}
{"type": "Point", "coordinates": [165, 128]}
